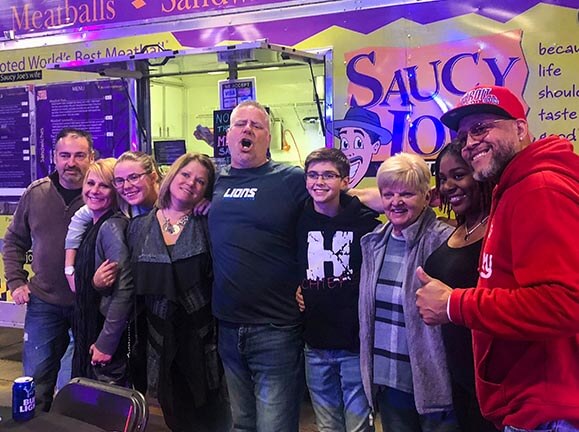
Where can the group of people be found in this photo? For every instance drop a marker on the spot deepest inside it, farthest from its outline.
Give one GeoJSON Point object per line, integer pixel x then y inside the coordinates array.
{"type": "Point", "coordinates": [292, 278]}
{"type": "Point", "coordinates": [138, 297]}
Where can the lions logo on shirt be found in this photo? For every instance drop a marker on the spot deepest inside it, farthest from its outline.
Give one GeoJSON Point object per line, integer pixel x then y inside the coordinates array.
{"type": "Point", "coordinates": [240, 193]}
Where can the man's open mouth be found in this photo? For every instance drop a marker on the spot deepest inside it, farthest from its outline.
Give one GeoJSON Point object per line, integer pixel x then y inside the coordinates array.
{"type": "Point", "coordinates": [245, 143]}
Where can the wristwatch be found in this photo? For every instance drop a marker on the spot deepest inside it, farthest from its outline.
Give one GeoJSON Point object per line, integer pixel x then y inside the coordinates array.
{"type": "Point", "coordinates": [69, 270]}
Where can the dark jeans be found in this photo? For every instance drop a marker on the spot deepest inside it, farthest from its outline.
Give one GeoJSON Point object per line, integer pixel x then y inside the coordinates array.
{"type": "Point", "coordinates": [65, 372]}
{"type": "Point", "coordinates": [46, 338]}
{"type": "Point", "coordinates": [265, 375]}
{"type": "Point", "coordinates": [398, 414]}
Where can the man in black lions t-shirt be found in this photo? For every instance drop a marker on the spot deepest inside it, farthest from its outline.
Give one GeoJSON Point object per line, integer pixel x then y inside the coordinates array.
{"type": "Point", "coordinates": [252, 223]}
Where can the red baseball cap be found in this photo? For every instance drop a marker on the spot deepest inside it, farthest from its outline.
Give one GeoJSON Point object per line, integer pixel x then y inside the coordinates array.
{"type": "Point", "coordinates": [485, 99]}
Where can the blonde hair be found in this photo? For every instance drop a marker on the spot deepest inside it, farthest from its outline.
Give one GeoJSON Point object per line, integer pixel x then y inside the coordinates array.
{"type": "Point", "coordinates": [104, 169]}
{"type": "Point", "coordinates": [164, 199]}
{"type": "Point", "coordinates": [146, 162]}
{"type": "Point", "coordinates": [404, 169]}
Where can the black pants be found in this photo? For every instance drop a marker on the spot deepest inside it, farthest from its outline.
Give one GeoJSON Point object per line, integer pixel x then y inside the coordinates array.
{"type": "Point", "coordinates": [138, 355]}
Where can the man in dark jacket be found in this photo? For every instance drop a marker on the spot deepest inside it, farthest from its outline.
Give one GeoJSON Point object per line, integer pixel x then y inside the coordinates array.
{"type": "Point", "coordinates": [40, 222]}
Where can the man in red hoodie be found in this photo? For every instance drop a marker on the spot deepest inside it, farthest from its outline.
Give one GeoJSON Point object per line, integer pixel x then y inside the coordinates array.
{"type": "Point", "coordinates": [524, 312]}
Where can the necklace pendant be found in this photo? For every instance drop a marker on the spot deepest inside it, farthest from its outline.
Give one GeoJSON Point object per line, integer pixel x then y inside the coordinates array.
{"type": "Point", "coordinates": [175, 228]}
{"type": "Point", "coordinates": [170, 228]}
{"type": "Point", "coordinates": [474, 228]}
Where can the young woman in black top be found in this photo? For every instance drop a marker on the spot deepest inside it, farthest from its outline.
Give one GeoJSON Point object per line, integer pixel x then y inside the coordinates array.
{"type": "Point", "coordinates": [455, 263]}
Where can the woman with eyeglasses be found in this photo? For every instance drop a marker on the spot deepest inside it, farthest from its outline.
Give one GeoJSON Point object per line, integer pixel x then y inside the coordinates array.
{"type": "Point", "coordinates": [100, 316]}
{"type": "Point", "coordinates": [455, 263]}
{"type": "Point", "coordinates": [137, 180]}
{"type": "Point", "coordinates": [172, 268]}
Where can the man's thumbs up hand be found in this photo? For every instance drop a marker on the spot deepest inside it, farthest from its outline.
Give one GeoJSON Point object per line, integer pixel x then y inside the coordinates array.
{"type": "Point", "coordinates": [432, 299]}
{"type": "Point", "coordinates": [423, 277]}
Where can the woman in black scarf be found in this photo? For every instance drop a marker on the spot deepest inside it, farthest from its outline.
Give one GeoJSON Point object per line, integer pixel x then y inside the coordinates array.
{"type": "Point", "coordinates": [172, 269]}
{"type": "Point", "coordinates": [100, 322]}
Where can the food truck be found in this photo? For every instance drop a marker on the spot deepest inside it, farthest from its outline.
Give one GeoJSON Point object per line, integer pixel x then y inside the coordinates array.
{"type": "Point", "coordinates": [149, 74]}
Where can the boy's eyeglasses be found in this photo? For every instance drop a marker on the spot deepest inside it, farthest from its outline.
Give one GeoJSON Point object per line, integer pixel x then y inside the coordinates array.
{"type": "Point", "coordinates": [133, 179]}
{"type": "Point", "coordinates": [326, 175]}
{"type": "Point", "coordinates": [478, 131]}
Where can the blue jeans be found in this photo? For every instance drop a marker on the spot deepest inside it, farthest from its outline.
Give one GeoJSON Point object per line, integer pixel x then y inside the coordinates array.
{"type": "Point", "coordinates": [335, 384]}
{"type": "Point", "coordinates": [65, 372]}
{"type": "Point", "coordinates": [264, 371]}
{"type": "Point", "coordinates": [553, 426]}
{"type": "Point", "coordinates": [398, 413]}
{"type": "Point", "coordinates": [46, 338]}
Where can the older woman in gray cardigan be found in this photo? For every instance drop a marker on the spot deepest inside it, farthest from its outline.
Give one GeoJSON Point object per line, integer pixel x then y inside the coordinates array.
{"type": "Point", "coordinates": [403, 363]}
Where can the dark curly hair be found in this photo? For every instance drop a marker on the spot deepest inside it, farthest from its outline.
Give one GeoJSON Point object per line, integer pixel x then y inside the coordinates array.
{"type": "Point", "coordinates": [485, 188]}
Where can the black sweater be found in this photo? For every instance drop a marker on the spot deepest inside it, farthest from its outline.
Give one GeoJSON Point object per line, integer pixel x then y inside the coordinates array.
{"type": "Point", "coordinates": [329, 259]}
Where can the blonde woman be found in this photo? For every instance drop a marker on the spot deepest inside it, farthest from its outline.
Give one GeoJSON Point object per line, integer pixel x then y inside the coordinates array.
{"type": "Point", "coordinates": [136, 180]}
{"type": "Point", "coordinates": [403, 362]}
{"type": "Point", "coordinates": [100, 345]}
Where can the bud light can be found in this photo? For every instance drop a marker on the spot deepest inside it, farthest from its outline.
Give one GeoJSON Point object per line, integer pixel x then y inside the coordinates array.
{"type": "Point", "coordinates": [23, 399]}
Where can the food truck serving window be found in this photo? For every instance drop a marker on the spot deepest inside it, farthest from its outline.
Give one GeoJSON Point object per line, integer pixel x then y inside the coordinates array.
{"type": "Point", "coordinates": [170, 68]}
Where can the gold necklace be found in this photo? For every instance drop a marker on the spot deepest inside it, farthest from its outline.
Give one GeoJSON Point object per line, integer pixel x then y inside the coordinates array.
{"type": "Point", "coordinates": [174, 228]}
{"type": "Point", "coordinates": [473, 229]}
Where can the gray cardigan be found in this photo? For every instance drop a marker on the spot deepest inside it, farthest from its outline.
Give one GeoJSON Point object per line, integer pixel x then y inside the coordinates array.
{"type": "Point", "coordinates": [117, 302]}
{"type": "Point", "coordinates": [430, 377]}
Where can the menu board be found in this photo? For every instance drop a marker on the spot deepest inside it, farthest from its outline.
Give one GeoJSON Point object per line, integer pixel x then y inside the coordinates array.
{"type": "Point", "coordinates": [100, 107]}
{"type": "Point", "coordinates": [15, 165]}
{"type": "Point", "coordinates": [220, 127]}
{"type": "Point", "coordinates": [168, 151]}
